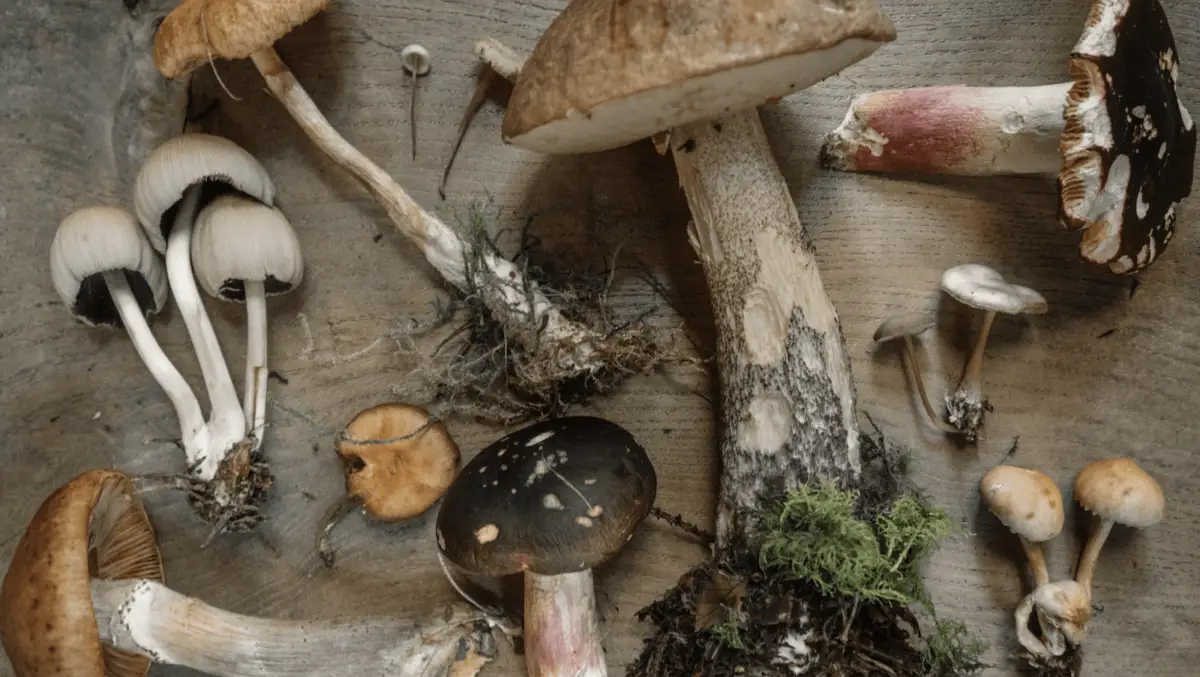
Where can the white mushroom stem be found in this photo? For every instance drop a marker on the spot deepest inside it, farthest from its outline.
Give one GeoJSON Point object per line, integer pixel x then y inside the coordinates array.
{"type": "Point", "coordinates": [562, 631]}
{"type": "Point", "coordinates": [227, 422]}
{"type": "Point", "coordinates": [191, 419]}
{"type": "Point", "coordinates": [1101, 528]}
{"type": "Point", "coordinates": [1037, 561]}
{"type": "Point", "coordinates": [966, 403]}
{"type": "Point", "coordinates": [147, 618]}
{"type": "Point", "coordinates": [500, 284]}
{"type": "Point", "coordinates": [254, 398]}
{"type": "Point", "coordinates": [1031, 642]}
{"type": "Point", "coordinates": [972, 131]}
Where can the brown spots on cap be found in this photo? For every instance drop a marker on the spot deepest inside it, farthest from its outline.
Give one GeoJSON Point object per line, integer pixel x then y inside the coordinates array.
{"type": "Point", "coordinates": [925, 128]}
{"type": "Point", "coordinates": [1030, 515]}
{"type": "Point", "coordinates": [487, 533]}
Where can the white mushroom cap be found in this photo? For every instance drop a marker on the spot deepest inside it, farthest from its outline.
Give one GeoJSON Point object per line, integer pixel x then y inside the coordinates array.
{"type": "Point", "coordinates": [239, 239]}
{"type": "Point", "coordinates": [185, 161]}
{"type": "Point", "coordinates": [1026, 501]}
{"type": "Point", "coordinates": [96, 240]}
{"type": "Point", "coordinates": [979, 286]}
{"type": "Point", "coordinates": [1118, 489]}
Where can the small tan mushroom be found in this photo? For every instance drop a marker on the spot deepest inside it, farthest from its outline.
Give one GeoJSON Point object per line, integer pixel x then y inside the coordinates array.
{"type": "Point", "coordinates": [1028, 503]}
{"type": "Point", "coordinates": [907, 326]}
{"type": "Point", "coordinates": [1116, 491]}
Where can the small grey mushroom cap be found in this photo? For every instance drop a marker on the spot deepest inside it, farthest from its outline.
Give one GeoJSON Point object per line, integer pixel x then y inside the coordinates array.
{"type": "Point", "coordinates": [238, 239]}
{"type": "Point", "coordinates": [904, 324]}
{"type": "Point", "coordinates": [982, 287]}
{"type": "Point", "coordinates": [555, 497]}
{"type": "Point", "coordinates": [96, 240]}
{"type": "Point", "coordinates": [184, 161]}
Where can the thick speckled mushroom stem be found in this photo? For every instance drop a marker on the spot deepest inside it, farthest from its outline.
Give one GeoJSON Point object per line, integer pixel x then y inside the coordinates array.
{"type": "Point", "coordinates": [562, 630]}
{"type": "Point", "coordinates": [147, 618]}
{"type": "Point", "coordinates": [787, 395]}
{"type": "Point", "coordinates": [970, 131]}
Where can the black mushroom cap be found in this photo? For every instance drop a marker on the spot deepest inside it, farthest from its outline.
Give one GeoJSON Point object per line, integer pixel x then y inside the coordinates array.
{"type": "Point", "coordinates": [1129, 144]}
{"type": "Point", "coordinates": [555, 497]}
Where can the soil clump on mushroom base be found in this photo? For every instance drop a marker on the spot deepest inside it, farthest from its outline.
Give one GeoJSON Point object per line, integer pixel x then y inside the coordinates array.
{"type": "Point", "coordinates": [827, 590]}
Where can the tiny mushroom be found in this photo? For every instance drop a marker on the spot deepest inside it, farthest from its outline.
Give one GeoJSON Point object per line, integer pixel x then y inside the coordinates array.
{"type": "Point", "coordinates": [416, 61]}
{"type": "Point", "coordinates": [982, 287]}
{"type": "Point", "coordinates": [552, 500]}
{"type": "Point", "coordinates": [1116, 491]}
{"type": "Point", "coordinates": [907, 326]}
{"type": "Point", "coordinates": [107, 274]}
{"type": "Point", "coordinates": [243, 251]}
{"type": "Point", "coordinates": [84, 596]}
{"type": "Point", "coordinates": [1117, 136]}
{"type": "Point", "coordinates": [398, 462]}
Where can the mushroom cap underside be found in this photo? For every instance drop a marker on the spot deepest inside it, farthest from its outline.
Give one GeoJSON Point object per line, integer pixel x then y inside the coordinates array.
{"type": "Point", "coordinates": [99, 239]}
{"type": "Point", "coordinates": [1129, 144]}
{"type": "Point", "coordinates": [187, 160]}
{"type": "Point", "coordinates": [1118, 489]}
{"type": "Point", "coordinates": [93, 526]}
{"type": "Point", "coordinates": [238, 239]}
{"type": "Point", "coordinates": [199, 30]}
{"type": "Point", "coordinates": [1024, 500]}
{"type": "Point", "coordinates": [554, 497]}
{"type": "Point", "coordinates": [982, 287]}
{"type": "Point", "coordinates": [606, 74]}
{"type": "Point", "coordinates": [397, 462]}
{"type": "Point", "coordinates": [903, 324]}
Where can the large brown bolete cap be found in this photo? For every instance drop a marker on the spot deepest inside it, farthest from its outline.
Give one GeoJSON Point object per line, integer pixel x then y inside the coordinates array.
{"type": "Point", "coordinates": [1117, 489]}
{"type": "Point", "coordinates": [559, 496]}
{"type": "Point", "coordinates": [1129, 144]}
{"type": "Point", "coordinates": [1026, 501]}
{"type": "Point", "coordinates": [91, 527]}
{"type": "Point", "coordinates": [200, 30]}
{"type": "Point", "coordinates": [605, 73]}
{"type": "Point", "coordinates": [398, 462]}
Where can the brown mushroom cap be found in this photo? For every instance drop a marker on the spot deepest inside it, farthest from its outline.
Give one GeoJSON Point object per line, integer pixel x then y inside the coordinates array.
{"type": "Point", "coordinates": [1026, 501]}
{"type": "Point", "coordinates": [234, 29]}
{"type": "Point", "coordinates": [91, 527]}
{"type": "Point", "coordinates": [903, 324]}
{"type": "Point", "coordinates": [1118, 489]}
{"type": "Point", "coordinates": [397, 463]}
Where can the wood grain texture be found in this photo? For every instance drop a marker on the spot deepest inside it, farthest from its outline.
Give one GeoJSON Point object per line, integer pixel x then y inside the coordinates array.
{"type": "Point", "coordinates": [1103, 373]}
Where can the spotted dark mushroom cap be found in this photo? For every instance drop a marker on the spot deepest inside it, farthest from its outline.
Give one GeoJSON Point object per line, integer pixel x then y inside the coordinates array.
{"type": "Point", "coordinates": [555, 497]}
{"type": "Point", "coordinates": [91, 527]}
{"type": "Point", "coordinates": [1128, 144]}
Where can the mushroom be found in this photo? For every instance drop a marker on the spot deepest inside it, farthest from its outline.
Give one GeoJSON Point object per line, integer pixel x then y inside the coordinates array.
{"type": "Point", "coordinates": [908, 326]}
{"type": "Point", "coordinates": [199, 31]}
{"type": "Point", "coordinates": [398, 461]}
{"type": "Point", "coordinates": [1116, 491]}
{"type": "Point", "coordinates": [1117, 137]}
{"type": "Point", "coordinates": [1063, 611]}
{"type": "Point", "coordinates": [243, 251]}
{"type": "Point", "coordinates": [84, 596]}
{"type": "Point", "coordinates": [607, 74]}
{"type": "Point", "coordinates": [979, 286]}
{"type": "Point", "coordinates": [107, 274]}
{"type": "Point", "coordinates": [552, 500]}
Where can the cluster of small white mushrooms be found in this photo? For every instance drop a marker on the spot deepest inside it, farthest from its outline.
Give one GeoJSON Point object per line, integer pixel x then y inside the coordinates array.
{"type": "Point", "coordinates": [1115, 491]}
{"type": "Point", "coordinates": [977, 286]}
{"type": "Point", "coordinates": [205, 205]}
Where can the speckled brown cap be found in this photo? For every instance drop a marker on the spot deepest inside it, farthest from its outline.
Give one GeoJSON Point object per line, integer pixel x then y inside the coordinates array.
{"type": "Point", "coordinates": [235, 29]}
{"type": "Point", "coordinates": [555, 497]}
{"type": "Point", "coordinates": [1026, 501]}
{"type": "Point", "coordinates": [397, 462]}
{"type": "Point", "coordinates": [47, 624]}
{"type": "Point", "coordinates": [605, 74]}
{"type": "Point", "coordinates": [1118, 489]}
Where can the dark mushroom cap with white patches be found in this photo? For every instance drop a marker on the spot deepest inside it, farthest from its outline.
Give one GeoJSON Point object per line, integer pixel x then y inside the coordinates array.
{"type": "Point", "coordinates": [901, 325]}
{"type": "Point", "coordinates": [981, 287]}
{"type": "Point", "coordinates": [555, 497]}
{"type": "Point", "coordinates": [1129, 144]}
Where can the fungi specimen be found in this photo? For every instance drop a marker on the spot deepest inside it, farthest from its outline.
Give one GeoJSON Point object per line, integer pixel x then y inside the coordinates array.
{"type": "Point", "coordinates": [551, 501]}
{"type": "Point", "coordinates": [907, 326]}
{"type": "Point", "coordinates": [1118, 138]}
{"type": "Point", "coordinates": [84, 596]}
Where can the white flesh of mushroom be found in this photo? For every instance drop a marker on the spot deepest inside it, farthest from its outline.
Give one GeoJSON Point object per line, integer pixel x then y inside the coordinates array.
{"type": "Point", "coordinates": [562, 631]}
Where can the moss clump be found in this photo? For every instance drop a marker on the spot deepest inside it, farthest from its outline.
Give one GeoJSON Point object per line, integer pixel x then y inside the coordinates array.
{"type": "Point", "coordinates": [951, 651]}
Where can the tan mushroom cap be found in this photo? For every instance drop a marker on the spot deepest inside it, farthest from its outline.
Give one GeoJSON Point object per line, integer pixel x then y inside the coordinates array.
{"type": "Point", "coordinates": [47, 624]}
{"type": "Point", "coordinates": [903, 324]}
{"type": "Point", "coordinates": [1026, 501]}
{"type": "Point", "coordinates": [1118, 489]}
{"type": "Point", "coordinates": [605, 73]}
{"type": "Point", "coordinates": [397, 469]}
{"type": "Point", "coordinates": [235, 29]}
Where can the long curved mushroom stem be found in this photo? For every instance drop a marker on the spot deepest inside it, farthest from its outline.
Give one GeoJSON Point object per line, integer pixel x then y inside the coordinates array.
{"type": "Point", "coordinates": [147, 618]}
{"type": "Point", "coordinates": [191, 420]}
{"type": "Point", "coordinates": [965, 406]}
{"type": "Point", "coordinates": [958, 130]}
{"type": "Point", "coordinates": [1091, 553]}
{"type": "Point", "coordinates": [914, 367]}
{"type": "Point", "coordinates": [562, 632]}
{"type": "Point", "coordinates": [501, 285]}
{"type": "Point", "coordinates": [1025, 636]}
{"type": "Point", "coordinates": [254, 399]}
{"type": "Point", "coordinates": [227, 422]}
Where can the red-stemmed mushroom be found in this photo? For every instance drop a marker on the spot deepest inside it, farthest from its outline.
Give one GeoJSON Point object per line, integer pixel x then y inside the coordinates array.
{"type": "Point", "coordinates": [1117, 136]}
{"type": "Point", "coordinates": [552, 500]}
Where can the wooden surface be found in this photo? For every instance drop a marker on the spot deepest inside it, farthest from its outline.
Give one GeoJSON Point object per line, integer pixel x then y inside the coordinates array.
{"type": "Point", "coordinates": [1102, 374]}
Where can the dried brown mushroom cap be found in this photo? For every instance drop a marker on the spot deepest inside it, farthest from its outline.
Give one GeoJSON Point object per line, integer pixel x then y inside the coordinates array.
{"type": "Point", "coordinates": [91, 527]}
{"type": "Point", "coordinates": [1116, 491]}
{"type": "Point", "coordinates": [1030, 505]}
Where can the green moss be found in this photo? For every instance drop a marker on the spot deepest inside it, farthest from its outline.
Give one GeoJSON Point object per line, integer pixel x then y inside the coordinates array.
{"type": "Point", "coordinates": [951, 651]}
